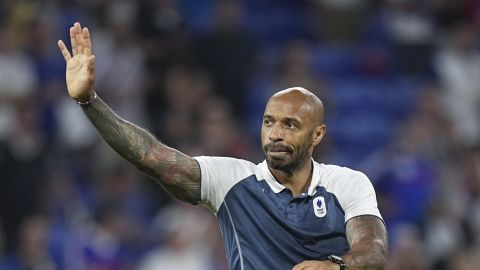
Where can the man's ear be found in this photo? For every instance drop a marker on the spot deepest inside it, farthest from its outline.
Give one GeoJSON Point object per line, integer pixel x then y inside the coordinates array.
{"type": "Point", "coordinates": [318, 134]}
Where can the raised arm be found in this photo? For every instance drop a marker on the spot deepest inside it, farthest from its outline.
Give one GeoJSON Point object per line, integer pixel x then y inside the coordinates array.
{"type": "Point", "coordinates": [178, 173]}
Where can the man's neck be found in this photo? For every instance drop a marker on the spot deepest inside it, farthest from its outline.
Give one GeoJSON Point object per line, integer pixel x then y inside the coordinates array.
{"type": "Point", "coordinates": [297, 181]}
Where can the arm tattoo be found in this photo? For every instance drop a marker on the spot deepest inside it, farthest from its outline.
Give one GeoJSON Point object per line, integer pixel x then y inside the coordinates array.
{"type": "Point", "coordinates": [367, 238]}
{"type": "Point", "coordinates": [178, 173]}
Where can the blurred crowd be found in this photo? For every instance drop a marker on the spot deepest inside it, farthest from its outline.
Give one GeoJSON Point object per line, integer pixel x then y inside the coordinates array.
{"type": "Point", "coordinates": [400, 80]}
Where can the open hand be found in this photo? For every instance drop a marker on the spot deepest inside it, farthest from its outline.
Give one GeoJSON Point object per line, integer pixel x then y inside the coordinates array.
{"type": "Point", "coordinates": [80, 71]}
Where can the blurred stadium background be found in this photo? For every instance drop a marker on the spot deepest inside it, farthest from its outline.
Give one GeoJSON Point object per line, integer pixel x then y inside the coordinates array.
{"type": "Point", "coordinates": [400, 80]}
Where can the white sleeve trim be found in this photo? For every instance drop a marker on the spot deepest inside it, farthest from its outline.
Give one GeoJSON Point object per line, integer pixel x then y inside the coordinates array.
{"type": "Point", "coordinates": [219, 175]}
{"type": "Point", "coordinates": [354, 192]}
{"type": "Point", "coordinates": [359, 197]}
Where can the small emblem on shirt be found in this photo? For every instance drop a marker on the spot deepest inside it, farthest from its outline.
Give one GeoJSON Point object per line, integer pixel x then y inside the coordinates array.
{"type": "Point", "coordinates": [319, 207]}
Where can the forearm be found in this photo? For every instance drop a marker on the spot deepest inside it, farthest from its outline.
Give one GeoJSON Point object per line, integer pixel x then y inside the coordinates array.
{"type": "Point", "coordinates": [368, 242]}
{"type": "Point", "coordinates": [178, 173]}
{"type": "Point", "coordinates": [368, 257]}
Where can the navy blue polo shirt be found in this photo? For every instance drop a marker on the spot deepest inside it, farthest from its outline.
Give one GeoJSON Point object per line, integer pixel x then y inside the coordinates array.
{"type": "Point", "coordinates": [265, 227]}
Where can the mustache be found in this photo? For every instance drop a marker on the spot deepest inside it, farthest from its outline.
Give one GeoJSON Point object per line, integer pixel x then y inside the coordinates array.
{"type": "Point", "coordinates": [277, 147]}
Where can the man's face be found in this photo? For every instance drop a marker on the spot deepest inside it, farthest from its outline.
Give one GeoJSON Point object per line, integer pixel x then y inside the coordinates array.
{"type": "Point", "coordinates": [288, 132]}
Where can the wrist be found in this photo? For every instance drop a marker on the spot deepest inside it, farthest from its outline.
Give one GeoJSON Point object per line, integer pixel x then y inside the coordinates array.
{"type": "Point", "coordinates": [87, 99]}
{"type": "Point", "coordinates": [338, 261]}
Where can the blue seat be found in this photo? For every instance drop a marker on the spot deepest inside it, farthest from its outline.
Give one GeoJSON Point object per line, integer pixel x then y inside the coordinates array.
{"type": "Point", "coordinates": [366, 112]}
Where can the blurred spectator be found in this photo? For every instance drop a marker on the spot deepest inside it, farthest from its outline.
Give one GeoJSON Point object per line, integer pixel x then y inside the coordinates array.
{"type": "Point", "coordinates": [472, 164]}
{"type": "Point", "coordinates": [23, 166]}
{"type": "Point", "coordinates": [166, 42]}
{"type": "Point", "coordinates": [464, 259]}
{"type": "Point", "coordinates": [17, 79]}
{"type": "Point", "coordinates": [412, 31]}
{"type": "Point", "coordinates": [219, 133]}
{"type": "Point", "coordinates": [120, 184]}
{"type": "Point", "coordinates": [341, 21]}
{"type": "Point", "coordinates": [443, 233]}
{"type": "Point", "coordinates": [405, 172]}
{"type": "Point", "coordinates": [188, 244]}
{"type": "Point", "coordinates": [158, 19]}
{"type": "Point", "coordinates": [407, 253]}
{"type": "Point", "coordinates": [103, 246]}
{"type": "Point", "coordinates": [228, 53]}
{"type": "Point", "coordinates": [68, 207]}
{"type": "Point", "coordinates": [76, 137]}
{"type": "Point", "coordinates": [449, 13]}
{"type": "Point", "coordinates": [166, 39]}
{"type": "Point", "coordinates": [295, 69]}
{"type": "Point", "coordinates": [184, 88]}
{"type": "Point", "coordinates": [405, 181]}
{"type": "Point", "coordinates": [33, 247]}
{"type": "Point", "coordinates": [120, 74]}
{"type": "Point", "coordinates": [458, 67]}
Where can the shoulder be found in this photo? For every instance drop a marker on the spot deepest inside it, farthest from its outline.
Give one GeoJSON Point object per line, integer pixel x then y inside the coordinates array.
{"type": "Point", "coordinates": [345, 183]}
{"type": "Point", "coordinates": [219, 175]}
{"type": "Point", "coordinates": [226, 164]}
{"type": "Point", "coordinates": [352, 188]}
{"type": "Point", "coordinates": [228, 160]}
{"type": "Point", "coordinates": [334, 175]}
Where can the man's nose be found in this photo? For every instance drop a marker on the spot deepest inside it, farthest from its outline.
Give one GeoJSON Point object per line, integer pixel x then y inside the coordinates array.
{"type": "Point", "coordinates": [276, 134]}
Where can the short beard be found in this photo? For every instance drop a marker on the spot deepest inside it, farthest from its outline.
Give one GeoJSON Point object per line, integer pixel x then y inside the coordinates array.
{"type": "Point", "coordinates": [292, 166]}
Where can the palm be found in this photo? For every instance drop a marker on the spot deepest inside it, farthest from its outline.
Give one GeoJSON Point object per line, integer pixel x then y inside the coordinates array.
{"type": "Point", "coordinates": [80, 74]}
{"type": "Point", "coordinates": [79, 78]}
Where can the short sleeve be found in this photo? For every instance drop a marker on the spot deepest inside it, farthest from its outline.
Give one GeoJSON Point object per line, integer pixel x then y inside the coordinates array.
{"type": "Point", "coordinates": [358, 196]}
{"type": "Point", "coordinates": [219, 175]}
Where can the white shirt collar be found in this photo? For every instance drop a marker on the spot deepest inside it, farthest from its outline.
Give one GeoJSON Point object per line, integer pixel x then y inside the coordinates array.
{"type": "Point", "coordinates": [277, 187]}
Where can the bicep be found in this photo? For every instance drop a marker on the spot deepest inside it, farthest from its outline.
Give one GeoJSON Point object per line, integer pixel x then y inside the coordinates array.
{"type": "Point", "coordinates": [177, 172]}
{"type": "Point", "coordinates": [367, 231]}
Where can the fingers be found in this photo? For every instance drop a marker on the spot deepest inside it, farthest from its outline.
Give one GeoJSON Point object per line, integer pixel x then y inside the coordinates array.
{"type": "Point", "coordinates": [81, 43]}
{"type": "Point", "coordinates": [64, 50]}
{"type": "Point", "coordinates": [73, 41]}
{"type": "Point", "coordinates": [79, 38]}
{"type": "Point", "coordinates": [87, 43]}
{"type": "Point", "coordinates": [305, 265]}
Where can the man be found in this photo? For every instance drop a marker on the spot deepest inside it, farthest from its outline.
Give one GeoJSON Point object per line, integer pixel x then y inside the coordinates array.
{"type": "Point", "coordinates": [288, 212]}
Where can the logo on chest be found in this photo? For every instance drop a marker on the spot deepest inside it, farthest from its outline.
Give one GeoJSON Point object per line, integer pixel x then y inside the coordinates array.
{"type": "Point", "coordinates": [319, 206]}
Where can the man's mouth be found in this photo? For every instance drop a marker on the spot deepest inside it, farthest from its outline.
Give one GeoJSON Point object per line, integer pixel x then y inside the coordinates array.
{"type": "Point", "coordinates": [277, 149]}
{"type": "Point", "coordinates": [275, 154]}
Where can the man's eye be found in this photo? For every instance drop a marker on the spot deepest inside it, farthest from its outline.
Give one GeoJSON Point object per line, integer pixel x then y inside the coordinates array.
{"type": "Point", "coordinates": [267, 122]}
{"type": "Point", "coordinates": [290, 125]}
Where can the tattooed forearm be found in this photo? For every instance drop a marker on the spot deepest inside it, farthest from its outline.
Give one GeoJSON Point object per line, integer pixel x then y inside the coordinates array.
{"type": "Point", "coordinates": [368, 243]}
{"type": "Point", "coordinates": [178, 173]}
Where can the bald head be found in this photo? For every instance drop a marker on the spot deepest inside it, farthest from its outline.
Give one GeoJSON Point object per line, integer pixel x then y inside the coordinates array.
{"type": "Point", "coordinates": [292, 127]}
{"type": "Point", "coordinates": [306, 101]}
